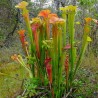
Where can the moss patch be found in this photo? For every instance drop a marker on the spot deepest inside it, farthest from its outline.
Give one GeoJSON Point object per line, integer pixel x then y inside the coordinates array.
{"type": "Point", "coordinates": [11, 81]}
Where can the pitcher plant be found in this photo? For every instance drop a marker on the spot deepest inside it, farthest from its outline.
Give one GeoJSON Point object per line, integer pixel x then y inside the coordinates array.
{"type": "Point", "coordinates": [49, 54]}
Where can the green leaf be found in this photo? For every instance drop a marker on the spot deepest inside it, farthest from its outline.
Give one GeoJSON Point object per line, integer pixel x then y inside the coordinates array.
{"type": "Point", "coordinates": [89, 39]}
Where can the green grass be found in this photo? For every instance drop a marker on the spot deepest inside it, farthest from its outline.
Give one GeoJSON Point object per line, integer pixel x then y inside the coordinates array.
{"type": "Point", "coordinates": [88, 75]}
{"type": "Point", "coordinates": [11, 83]}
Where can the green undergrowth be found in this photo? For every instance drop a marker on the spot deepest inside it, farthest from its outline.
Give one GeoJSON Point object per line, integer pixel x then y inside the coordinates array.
{"type": "Point", "coordinates": [12, 79]}
{"type": "Point", "coordinates": [88, 76]}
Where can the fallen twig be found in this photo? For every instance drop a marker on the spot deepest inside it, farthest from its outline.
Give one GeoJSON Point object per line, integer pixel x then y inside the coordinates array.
{"type": "Point", "coordinates": [68, 93]}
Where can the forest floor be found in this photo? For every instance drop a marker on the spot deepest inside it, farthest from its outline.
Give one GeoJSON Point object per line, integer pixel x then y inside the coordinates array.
{"type": "Point", "coordinates": [88, 76]}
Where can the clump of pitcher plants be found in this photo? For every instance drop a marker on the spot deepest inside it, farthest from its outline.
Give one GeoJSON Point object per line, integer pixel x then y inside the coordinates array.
{"type": "Point", "coordinates": [49, 54]}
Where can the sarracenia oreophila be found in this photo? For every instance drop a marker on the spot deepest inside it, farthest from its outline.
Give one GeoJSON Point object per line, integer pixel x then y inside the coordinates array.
{"type": "Point", "coordinates": [49, 54]}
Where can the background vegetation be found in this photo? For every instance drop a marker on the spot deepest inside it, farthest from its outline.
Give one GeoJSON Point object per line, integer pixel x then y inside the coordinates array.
{"type": "Point", "coordinates": [10, 22]}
